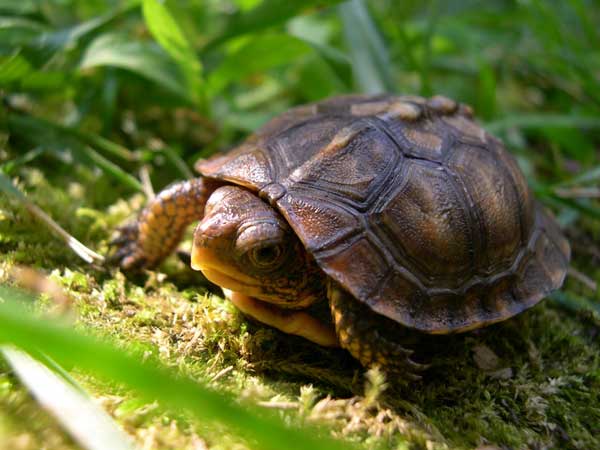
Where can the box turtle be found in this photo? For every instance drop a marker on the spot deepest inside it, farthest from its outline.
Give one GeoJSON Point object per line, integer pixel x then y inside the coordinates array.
{"type": "Point", "coordinates": [400, 211]}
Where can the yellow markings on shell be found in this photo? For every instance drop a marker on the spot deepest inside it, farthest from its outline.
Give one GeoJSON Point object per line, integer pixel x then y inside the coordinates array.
{"type": "Point", "coordinates": [427, 140]}
{"type": "Point", "coordinates": [403, 111]}
{"type": "Point", "coordinates": [369, 108]}
{"type": "Point", "coordinates": [442, 104]}
{"type": "Point", "coordinates": [466, 110]}
{"type": "Point", "coordinates": [344, 136]}
{"type": "Point", "coordinates": [466, 126]}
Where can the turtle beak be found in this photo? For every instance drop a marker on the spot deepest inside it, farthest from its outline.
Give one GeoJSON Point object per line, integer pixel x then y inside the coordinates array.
{"type": "Point", "coordinates": [203, 243]}
{"type": "Point", "coordinates": [196, 258]}
{"type": "Point", "coordinates": [200, 256]}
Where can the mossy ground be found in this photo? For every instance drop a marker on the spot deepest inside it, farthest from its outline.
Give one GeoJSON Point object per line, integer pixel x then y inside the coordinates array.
{"type": "Point", "coordinates": [530, 382]}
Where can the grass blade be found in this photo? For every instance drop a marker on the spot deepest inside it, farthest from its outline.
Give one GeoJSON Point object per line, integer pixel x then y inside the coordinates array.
{"type": "Point", "coordinates": [114, 170]}
{"type": "Point", "coordinates": [585, 178]}
{"type": "Point", "coordinates": [574, 302]}
{"type": "Point", "coordinates": [89, 425]}
{"type": "Point", "coordinates": [526, 121]}
{"type": "Point", "coordinates": [59, 341]}
{"type": "Point", "coordinates": [368, 52]}
{"type": "Point", "coordinates": [179, 164]}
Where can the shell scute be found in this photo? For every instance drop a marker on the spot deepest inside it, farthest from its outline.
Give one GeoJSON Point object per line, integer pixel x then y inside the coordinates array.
{"type": "Point", "coordinates": [319, 223]}
{"type": "Point", "coordinates": [495, 205]}
{"type": "Point", "coordinates": [425, 218]}
{"type": "Point", "coordinates": [360, 264]}
{"type": "Point", "coordinates": [354, 163]}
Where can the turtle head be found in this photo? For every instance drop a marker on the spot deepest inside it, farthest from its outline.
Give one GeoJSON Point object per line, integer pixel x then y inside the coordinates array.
{"type": "Point", "coordinates": [244, 245]}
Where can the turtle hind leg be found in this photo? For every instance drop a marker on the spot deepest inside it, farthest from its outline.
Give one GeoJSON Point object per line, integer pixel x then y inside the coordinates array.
{"type": "Point", "coordinates": [370, 337]}
{"type": "Point", "coordinates": [145, 242]}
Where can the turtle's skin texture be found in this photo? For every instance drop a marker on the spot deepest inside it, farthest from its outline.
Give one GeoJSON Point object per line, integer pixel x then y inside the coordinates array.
{"type": "Point", "coordinates": [400, 210]}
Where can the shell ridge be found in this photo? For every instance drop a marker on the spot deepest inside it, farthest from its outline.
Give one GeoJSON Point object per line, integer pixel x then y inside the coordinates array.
{"type": "Point", "coordinates": [476, 227]}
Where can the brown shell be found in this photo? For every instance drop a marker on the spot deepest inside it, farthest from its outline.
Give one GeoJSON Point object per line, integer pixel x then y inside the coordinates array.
{"type": "Point", "coordinates": [408, 204]}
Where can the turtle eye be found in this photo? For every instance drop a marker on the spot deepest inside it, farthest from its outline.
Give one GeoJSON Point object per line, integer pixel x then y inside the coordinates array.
{"type": "Point", "coordinates": [266, 257]}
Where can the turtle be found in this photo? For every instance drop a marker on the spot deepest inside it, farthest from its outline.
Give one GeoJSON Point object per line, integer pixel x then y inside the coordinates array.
{"type": "Point", "coordinates": [400, 211]}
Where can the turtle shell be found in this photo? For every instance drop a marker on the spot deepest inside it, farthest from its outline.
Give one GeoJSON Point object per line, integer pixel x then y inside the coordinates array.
{"type": "Point", "coordinates": [408, 204]}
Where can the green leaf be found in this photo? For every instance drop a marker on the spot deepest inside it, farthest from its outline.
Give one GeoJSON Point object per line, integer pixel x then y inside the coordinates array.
{"type": "Point", "coordinates": [257, 54]}
{"type": "Point", "coordinates": [18, 31]}
{"type": "Point", "coordinates": [20, 7]}
{"type": "Point", "coordinates": [69, 348]}
{"type": "Point", "coordinates": [370, 59]}
{"type": "Point", "coordinates": [143, 58]}
{"type": "Point", "coordinates": [167, 32]}
{"type": "Point", "coordinates": [267, 14]}
{"type": "Point", "coordinates": [592, 175]}
{"type": "Point", "coordinates": [49, 43]}
{"type": "Point", "coordinates": [13, 68]}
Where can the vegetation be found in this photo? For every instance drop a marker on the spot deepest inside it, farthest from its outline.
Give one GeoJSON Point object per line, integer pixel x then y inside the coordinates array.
{"type": "Point", "coordinates": [103, 101]}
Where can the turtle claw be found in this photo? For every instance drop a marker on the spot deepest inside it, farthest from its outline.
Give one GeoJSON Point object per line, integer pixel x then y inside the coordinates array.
{"type": "Point", "coordinates": [411, 376]}
{"type": "Point", "coordinates": [397, 360]}
{"type": "Point", "coordinates": [420, 367]}
{"type": "Point", "coordinates": [119, 240]}
{"type": "Point", "coordinates": [124, 234]}
{"type": "Point", "coordinates": [128, 254]}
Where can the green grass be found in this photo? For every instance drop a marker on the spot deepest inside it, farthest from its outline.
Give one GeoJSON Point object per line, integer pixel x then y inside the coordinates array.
{"type": "Point", "coordinates": [95, 92]}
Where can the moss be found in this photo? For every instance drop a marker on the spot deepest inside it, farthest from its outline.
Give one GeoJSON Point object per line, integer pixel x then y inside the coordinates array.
{"type": "Point", "coordinates": [531, 382]}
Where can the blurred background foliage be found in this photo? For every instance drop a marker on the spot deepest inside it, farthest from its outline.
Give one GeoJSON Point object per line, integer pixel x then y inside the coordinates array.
{"type": "Point", "coordinates": [114, 85]}
{"type": "Point", "coordinates": [122, 94]}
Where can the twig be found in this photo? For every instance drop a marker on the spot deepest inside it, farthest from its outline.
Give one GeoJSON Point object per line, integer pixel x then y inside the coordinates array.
{"type": "Point", "coordinates": [578, 192]}
{"type": "Point", "coordinates": [583, 278]}
{"type": "Point", "coordinates": [221, 373]}
{"type": "Point", "coordinates": [279, 405]}
{"type": "Point", "coordinates": [85, 253]}
{"type": "Point", "coordinates": [146, 182]}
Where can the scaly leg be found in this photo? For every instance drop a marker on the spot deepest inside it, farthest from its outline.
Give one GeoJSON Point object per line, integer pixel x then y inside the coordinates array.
{"type": "Point", "coordinates": [148, 240]}
{"type": "Point", "coordinates": [370, 337]}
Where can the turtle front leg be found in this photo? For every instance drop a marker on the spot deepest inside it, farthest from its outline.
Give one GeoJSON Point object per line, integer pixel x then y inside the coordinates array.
{"type": "Point", "coordinates": [288, 321]}
{"type": "Point", "coordinates": [158, 229]}
{"type": "Point", "coordinates": [368, 336]}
